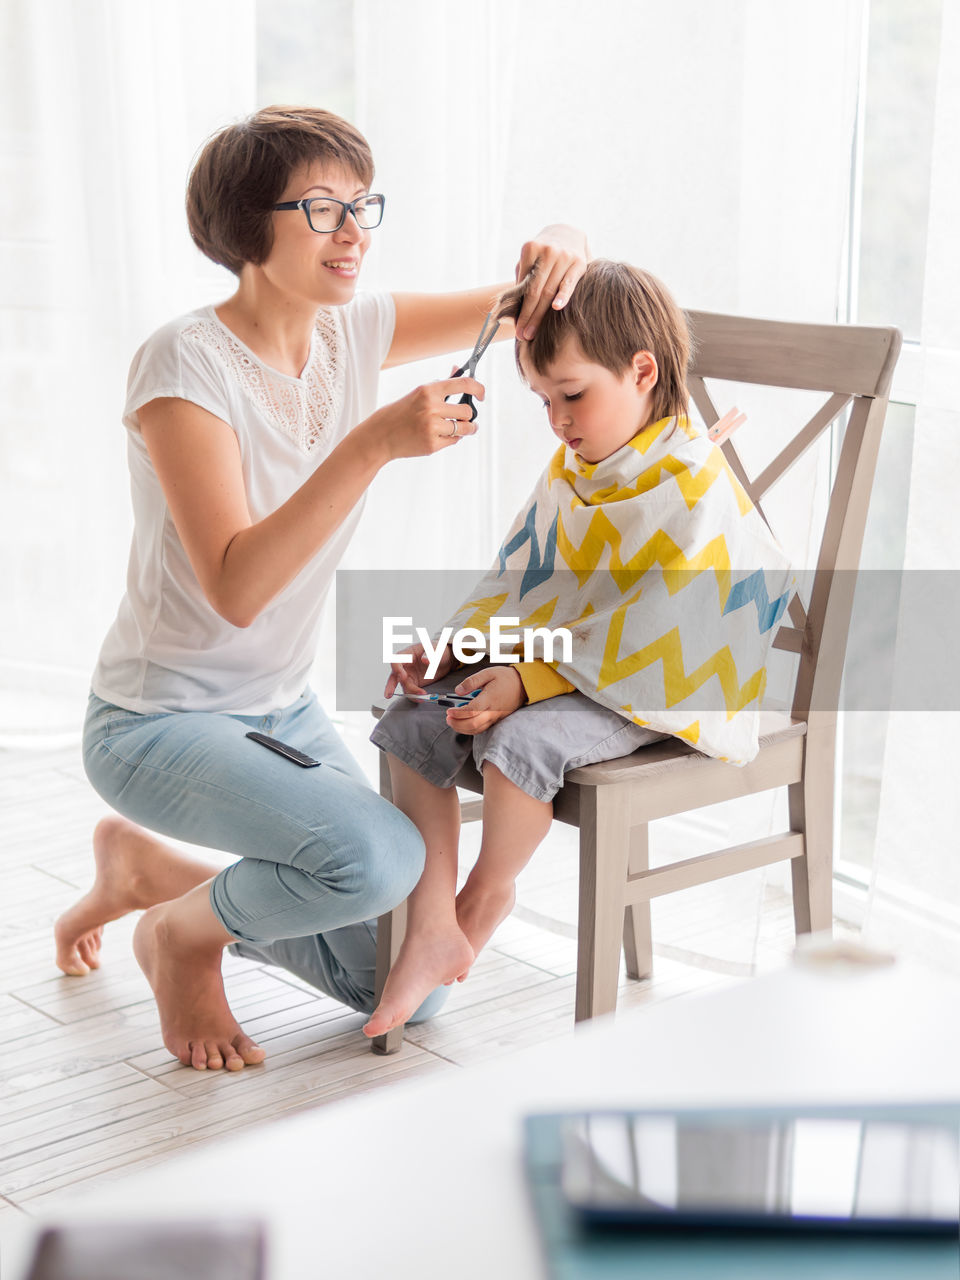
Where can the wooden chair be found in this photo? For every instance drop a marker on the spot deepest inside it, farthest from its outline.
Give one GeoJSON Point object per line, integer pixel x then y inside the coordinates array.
{"type": "Point", "coordinates": [613, 802]}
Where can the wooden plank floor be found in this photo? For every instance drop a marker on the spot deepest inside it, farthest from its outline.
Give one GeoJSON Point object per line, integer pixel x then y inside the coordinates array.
{"type": "Point", "coordinates": [88, 1093]}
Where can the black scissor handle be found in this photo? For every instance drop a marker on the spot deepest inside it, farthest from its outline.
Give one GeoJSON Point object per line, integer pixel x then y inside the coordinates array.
{"type": "Point", "coordinates": [466, 398]}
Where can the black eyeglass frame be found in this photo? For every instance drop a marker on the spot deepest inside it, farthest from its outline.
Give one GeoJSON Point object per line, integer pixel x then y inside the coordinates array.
{"type": "Point", "coordinates": [346, 206]}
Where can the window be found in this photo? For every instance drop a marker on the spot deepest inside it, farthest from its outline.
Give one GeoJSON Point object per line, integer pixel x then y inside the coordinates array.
{"type": "Point", "coordinates": [899, 82]}
{"type": "Point", "coordinates": [891, 185]}
{"type": "Point", "coordinates": [305, 54]}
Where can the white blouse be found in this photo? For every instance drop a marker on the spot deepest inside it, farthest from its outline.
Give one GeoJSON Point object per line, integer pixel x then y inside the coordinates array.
{"type": "Point", "coordinates": [168, 649]}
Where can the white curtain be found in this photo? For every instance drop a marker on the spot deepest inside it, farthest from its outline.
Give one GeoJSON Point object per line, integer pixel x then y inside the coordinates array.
{"type": "Point", "coordinates": [102, 105]}
{"type": "Point", "coordinates": [711, 143]}
{"type": "Point", "coordinates": [915, 891]}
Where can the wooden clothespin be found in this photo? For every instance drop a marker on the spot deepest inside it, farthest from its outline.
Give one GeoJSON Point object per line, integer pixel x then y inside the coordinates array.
{"type": "Point", "coordinates": [725, 426]}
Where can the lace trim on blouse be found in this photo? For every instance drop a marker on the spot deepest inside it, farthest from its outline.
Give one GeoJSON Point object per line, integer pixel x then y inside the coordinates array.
{"type": "Point", "coordinates": [301, 407]}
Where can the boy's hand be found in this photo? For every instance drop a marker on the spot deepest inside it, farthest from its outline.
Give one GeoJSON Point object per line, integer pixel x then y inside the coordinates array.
{"type": "Point", "coordinates": [503, 692]}
{"type": "Point", "coordinates": [412, 676]}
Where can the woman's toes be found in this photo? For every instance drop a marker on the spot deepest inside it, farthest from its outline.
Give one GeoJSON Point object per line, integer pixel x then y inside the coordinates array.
{"type": "Point", "coordinates": [248, 1050]}
{"type": "Point", "coordinates": [217, 1055]}
{"type": "Point", "coordinates": [73, 964]}
{"type": "Point", "coordinates": [214, 1055]}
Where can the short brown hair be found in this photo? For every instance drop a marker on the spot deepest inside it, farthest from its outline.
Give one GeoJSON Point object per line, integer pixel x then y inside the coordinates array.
{"type": "Point", "coordinates": [615, 311]}
{"type": "Point", "coordinates": [242, 170]}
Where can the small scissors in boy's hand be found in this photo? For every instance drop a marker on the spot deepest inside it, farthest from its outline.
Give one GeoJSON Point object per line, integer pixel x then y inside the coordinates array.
{"type": "Point", "coordinates": [441, 699]}
{"type": "Point", "coordinates": [470, 366]}
{"type": "Point", "coordinates": [503, 693]}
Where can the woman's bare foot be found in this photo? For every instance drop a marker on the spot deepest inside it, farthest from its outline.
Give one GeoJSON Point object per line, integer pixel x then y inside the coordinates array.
{"type": "Point", "coordinates": [135, 870]}
{"type": "Point", "coordinates": [427, 960]}
{"type": "Point", "coordinates": [183, 968]}
{"type": "Point", "coordinates": [480, 909]}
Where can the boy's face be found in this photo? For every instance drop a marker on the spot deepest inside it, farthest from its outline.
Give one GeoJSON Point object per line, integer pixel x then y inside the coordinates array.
{"type": "Point", "coordinates": [594, 411]}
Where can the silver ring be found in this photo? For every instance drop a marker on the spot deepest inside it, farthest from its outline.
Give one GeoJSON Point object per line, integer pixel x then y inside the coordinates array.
{"type": "Point", "coordinates": [455, 431]}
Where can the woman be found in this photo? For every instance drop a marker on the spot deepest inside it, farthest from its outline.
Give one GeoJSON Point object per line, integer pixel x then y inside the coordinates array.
{"type": "Point", "coordinates": [253, 437]}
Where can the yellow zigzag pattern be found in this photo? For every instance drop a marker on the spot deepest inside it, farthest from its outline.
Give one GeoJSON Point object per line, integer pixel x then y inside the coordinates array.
{"type": "Point", "coordinates": [651, 434]}
{"type": "Point", "coordinates": [691, 733]}
{"type": "Point", "coordinates": [646, 438]}
{"type": "Point", "coordinates": [678, 571]}
{"type": "Point", "coordinates": [557, 470]}
{"type": "Point", "coordinates": [692, 486]}
{"type": "Point", "coordinates": [676, 683]}
{"type": "Point", "coordinates": [486, 607]}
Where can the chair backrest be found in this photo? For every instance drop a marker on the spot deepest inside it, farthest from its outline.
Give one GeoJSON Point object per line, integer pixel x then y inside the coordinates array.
{"type": "Point", "coordinates": [853, 365]}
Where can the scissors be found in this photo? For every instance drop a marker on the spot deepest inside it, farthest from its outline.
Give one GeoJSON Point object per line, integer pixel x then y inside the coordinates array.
{"type": "Point", "coordinates": [441, 699]}
{"type": "Point", "coordinates": [470, 366]}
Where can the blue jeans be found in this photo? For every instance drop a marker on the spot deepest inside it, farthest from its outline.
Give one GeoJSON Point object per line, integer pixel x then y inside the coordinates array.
{"type": "Point", "coordinates": [321, 854]}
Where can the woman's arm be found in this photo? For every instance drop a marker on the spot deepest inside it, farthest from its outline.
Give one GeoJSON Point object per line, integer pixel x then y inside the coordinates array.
{"type": "Point", "coordinates": [432, 324]}
{"type": "Point", "coordinates": [242, 565]}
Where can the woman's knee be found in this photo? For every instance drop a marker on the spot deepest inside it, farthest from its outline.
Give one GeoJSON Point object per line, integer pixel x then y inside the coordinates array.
{"type": "Point", "coordinates": [374, 856]}
{"type": "Point", "coordinates": [394, 857]}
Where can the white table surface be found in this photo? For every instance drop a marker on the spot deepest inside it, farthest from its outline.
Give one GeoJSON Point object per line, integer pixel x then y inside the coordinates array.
{"type": "Point", "coordinates": [424, 1179]}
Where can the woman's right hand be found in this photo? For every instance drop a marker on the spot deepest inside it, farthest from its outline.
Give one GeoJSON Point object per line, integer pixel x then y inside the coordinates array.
{"type": "Point", "coordinates": [422, 422]}
{"type": "Point", "coordinates": [412, 676]}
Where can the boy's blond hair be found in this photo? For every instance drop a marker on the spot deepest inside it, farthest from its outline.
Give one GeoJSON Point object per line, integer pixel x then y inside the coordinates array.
{"type": "Point", "coordinates": [615, 311]}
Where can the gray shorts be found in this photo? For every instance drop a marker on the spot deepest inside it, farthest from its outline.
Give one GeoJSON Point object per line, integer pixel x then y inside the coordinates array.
{"type": "Point", "coordinates": [534, 746]}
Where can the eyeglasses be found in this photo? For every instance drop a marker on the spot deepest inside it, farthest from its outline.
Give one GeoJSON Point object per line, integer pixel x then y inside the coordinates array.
{"type": "Point", "coordinates": [325, 214]}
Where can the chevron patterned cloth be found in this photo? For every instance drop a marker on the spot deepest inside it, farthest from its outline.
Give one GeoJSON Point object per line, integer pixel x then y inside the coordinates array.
{"type": "Point", "coordinates": [665, 574]}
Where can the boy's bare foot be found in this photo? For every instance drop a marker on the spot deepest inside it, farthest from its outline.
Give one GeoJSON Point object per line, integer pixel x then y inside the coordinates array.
{"type": "Point", "coordinates": [480, 909]}
{"type": "Point", "coordinates": [195, 1019]}
{"type": "Point", "coordinates": [134, 871]}
{"type": "Point", "coordinates": [427, 960]}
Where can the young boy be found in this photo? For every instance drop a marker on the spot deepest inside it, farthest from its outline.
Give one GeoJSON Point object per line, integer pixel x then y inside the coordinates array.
{"type": "Point", "coordinates": [637, 539]}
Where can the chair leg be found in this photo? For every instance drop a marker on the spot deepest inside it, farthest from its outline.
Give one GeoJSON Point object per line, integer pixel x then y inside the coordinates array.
{"type": "Point", "coordinates": [390, 930]}
{"type": "Point", "coordinates": [811, 811]}
{"type": "Point", "coordinates": [604, 856]}
{"type": "Point", "coordinates": [637, 931]}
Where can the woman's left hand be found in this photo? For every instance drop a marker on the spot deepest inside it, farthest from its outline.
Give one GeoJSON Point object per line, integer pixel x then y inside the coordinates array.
{"type": "Point", "coordinates": [558, 257]}
{"type": "Point", "coordinates": [503, 692]}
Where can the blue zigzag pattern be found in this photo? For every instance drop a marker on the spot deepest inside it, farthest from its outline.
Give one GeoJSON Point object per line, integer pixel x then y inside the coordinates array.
{"type": "Point", "coordinates": [754, 588]}
{"type": "Point", "coordinates": [536, 570]}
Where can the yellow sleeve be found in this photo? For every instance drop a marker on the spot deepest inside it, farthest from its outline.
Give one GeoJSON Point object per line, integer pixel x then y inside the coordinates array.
{"type": "Point", "coordinates": [541, 681]}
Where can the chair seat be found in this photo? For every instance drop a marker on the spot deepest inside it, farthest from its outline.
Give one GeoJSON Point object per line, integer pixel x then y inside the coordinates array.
{"type": "Point", "coordinates": [671, 776]}
{"type": "Point", "coordinates": [774, 727]}
{"type": "Point", "coordinates": [671, 754]}
{"type": "Point", "coordinates": [674, 767]}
